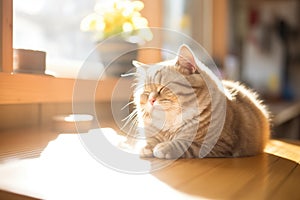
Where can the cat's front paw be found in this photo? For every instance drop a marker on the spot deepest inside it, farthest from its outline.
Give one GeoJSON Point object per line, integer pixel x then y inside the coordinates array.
{"type": "Point", "coordinates": [165, 150]}
{"type": "Point", "coordinates": [146, 152]}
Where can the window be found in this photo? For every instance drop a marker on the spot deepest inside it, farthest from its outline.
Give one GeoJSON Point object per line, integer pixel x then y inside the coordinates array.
{"type": "Point", "coordinates": [25, 88]}
{"type": "Point", "coordinates": [53, 26]}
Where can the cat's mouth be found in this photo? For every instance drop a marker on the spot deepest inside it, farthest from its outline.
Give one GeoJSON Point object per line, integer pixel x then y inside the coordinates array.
{"type": "Point", "coordinates": [156, 107]}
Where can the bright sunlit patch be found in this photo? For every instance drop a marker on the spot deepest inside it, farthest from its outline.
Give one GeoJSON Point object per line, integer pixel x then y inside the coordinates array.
{"type": "Point", "coordinates": [116, 17]}
{"type": "Point", "coordinates": [31, 7]}
{"type": "Point", "coordinates": [66, 170]}
{"type": "Point", "coordinates": [127, 27]}
{"type": "Point", "coordinates": [78, 117]}
{"type": "Point", "coordinates": [284, 150]}
{"type": "Point", "coordinates": [73, 118]}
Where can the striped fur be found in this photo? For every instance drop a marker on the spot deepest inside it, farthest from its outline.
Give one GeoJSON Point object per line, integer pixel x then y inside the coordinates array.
{"type": "Point", "coordinates": [194, 114]}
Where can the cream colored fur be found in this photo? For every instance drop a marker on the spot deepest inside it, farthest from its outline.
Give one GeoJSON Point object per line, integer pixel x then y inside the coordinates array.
{"type": "Point", "coordinates": [194, 114]}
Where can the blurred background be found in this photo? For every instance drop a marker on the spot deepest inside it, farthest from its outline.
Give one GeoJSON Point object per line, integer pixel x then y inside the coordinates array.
{"type": "Point", "coordinates": [256, 42]}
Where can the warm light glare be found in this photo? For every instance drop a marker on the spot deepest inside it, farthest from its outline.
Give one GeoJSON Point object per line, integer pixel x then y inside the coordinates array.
{"type": "Point", "coordinates": [284, 150]}
{"type": "Point", "coordinates": [78, 118]}
{"type": "Point", "coordinates": [127, 27]}
{"type": "Point", "coordinates": [65, 170]}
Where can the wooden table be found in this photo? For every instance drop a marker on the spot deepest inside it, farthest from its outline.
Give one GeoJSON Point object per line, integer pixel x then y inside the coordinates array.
{"type": "Point", "coordinates": [37, 163]}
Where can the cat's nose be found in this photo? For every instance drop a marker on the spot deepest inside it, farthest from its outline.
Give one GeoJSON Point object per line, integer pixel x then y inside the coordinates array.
{"type": "Point", "coordinates": [152, 100]}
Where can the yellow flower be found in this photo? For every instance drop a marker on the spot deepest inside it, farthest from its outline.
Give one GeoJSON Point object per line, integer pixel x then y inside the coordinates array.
{"type": "Point", "coordinates": [115, 17]}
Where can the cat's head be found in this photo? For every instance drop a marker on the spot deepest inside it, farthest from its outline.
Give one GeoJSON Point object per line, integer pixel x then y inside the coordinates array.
{"type": "Point", "coordinates": [167, 93]}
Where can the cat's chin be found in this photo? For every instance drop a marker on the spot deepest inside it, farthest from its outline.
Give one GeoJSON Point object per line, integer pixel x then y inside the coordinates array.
{"type": "Point", "coordinates": [155, 107]}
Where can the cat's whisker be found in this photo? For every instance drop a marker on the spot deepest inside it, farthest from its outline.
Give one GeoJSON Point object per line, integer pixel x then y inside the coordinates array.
{"type": "Point", "coordinates": [135, 84]}
{"type": "Point", "coordinates": [128, 130]}
{"type": "Point", "coordinates": [127, 122]}
{"type": "Point", "coordinates": [131, 133]}
{"type": "Point", "coordinates": [188, 98]}
{"type": "Point", "coordinates": [133, 125]}
{"type": "Point", "coordinates": [129, 117]}
{"type": "Point", "coordinates": [129, 74]}
{"type": "Point", "coordinates": [132, 113]}
{"type": "Point", "coordinates": [129, 103]}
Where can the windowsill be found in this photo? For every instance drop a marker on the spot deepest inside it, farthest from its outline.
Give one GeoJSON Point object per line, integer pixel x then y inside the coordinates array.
{"type": "Point", "coordinates": [31, 88]}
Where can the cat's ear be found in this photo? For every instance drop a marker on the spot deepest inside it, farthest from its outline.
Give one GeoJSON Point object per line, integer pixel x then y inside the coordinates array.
{"type": "Point", "coordinates": [137, 63]}
{"type": "Point", "coordinates": [186, 60]}
{"type": "Point", "coordinates": [141, 68]}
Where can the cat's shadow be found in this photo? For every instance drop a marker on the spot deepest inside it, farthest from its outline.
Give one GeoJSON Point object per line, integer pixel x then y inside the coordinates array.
{"type": "Point", "coordinates": [219, 178]}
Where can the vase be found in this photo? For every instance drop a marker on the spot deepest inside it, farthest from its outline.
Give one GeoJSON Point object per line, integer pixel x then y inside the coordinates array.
{"type": "Point", "coordinates": [116, 54]}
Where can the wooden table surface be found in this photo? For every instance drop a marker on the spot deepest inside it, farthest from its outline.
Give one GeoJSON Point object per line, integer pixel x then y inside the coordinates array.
{"type": "Point", "coordinates": [40, 164]}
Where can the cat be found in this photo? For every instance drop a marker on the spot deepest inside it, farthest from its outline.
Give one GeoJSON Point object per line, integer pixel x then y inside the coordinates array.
{"type": "Point", "coordinates": [183, 110]}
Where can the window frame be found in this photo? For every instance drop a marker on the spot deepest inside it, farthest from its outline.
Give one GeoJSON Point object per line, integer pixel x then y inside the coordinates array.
{"type": "Point", "coordinates": [29, 88]}
{"type": "Point", "coordinates": [6, 35]}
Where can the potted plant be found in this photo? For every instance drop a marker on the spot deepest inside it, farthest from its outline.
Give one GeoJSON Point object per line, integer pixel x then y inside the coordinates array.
{"type": "Point", "coordinates": [117, 26]}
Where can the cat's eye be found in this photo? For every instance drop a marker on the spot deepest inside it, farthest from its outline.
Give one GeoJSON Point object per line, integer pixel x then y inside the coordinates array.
{"type": "Point", "coordinates": [160, 90]}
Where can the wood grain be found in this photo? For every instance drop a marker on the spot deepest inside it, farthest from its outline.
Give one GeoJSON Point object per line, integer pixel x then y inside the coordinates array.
{"type": "Point", "coordinates": [53, 155]}
{"type": "Point", "coordinates": [266, 182]}
{"type": "Point", "coordinates": [153, 12]}
{"type": "Point", "coordinates": [27, 88]}
{"type": "Point", "coordinates": [220, 32]}
{"type": "Point", "coordinates": [19, 115]}
{"type": "Point", "coordinates": [290, 186]}
{"type": "Point", "coordinates": [6, 49]}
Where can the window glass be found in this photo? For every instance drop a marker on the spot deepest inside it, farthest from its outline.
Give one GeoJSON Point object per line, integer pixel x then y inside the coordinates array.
{"type": "Point", "coordinates": [53, 26]}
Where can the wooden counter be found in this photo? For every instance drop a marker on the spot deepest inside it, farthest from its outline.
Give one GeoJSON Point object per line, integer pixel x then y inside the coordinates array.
{"type": "Point", "coordinates": [37, 163]}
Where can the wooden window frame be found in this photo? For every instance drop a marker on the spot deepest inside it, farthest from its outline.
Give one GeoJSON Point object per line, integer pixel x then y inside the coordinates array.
{"type": "Point", "coordinates": [28, 88]}
{"type": "Point", "coordinates": [6, 35]}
